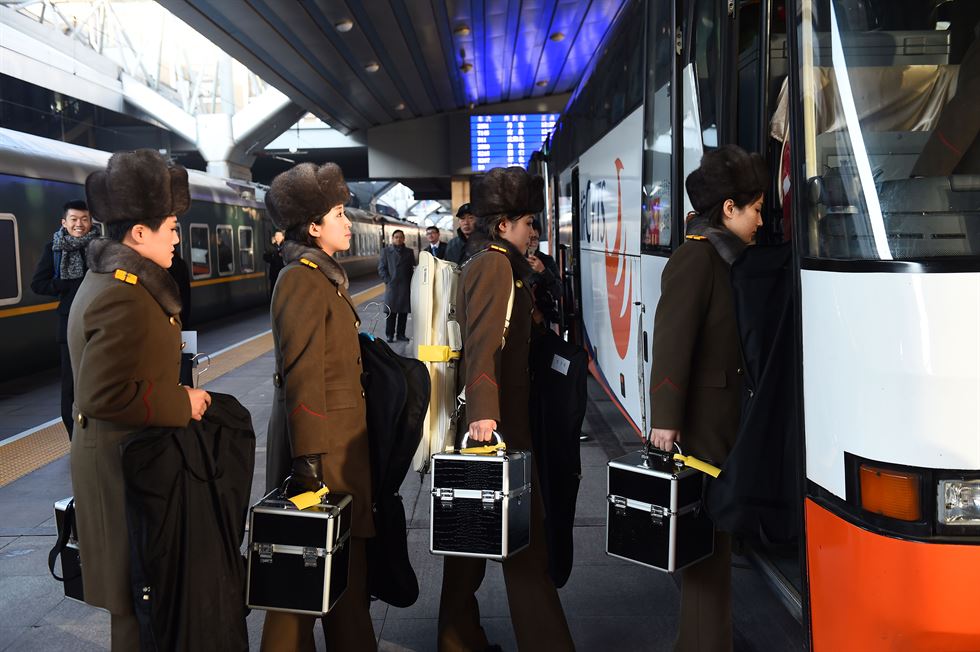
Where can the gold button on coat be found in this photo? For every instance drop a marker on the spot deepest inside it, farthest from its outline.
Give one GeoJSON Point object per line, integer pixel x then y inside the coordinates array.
{"type": "Point", "coordinates": [82, 421]}
{"type": "Point", "coordinates": [173, 321]}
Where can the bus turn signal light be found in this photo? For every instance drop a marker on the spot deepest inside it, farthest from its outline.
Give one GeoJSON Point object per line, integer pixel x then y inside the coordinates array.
{"type": "Point", "coordinates": [891, 493]}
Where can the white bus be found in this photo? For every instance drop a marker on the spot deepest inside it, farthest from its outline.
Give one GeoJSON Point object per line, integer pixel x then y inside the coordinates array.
{"type": "Point", "coordinates": [868, 112]}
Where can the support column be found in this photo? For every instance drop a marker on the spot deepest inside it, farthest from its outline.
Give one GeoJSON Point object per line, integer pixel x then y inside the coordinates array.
{"type": "Point", "coordinates": [460, 193]}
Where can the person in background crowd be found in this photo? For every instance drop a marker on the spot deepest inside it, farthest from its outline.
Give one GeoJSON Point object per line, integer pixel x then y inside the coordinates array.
{"type": "Point", "coordinates": [182, 277]}
{"type": "Point", "coordinates": [395, 267]}
{"type": "Point", "coordinates": [124, 340]}
{"type": "Point", "coordinates": [456, 251]}
{"type": "Point", "coordinates": [318, 428]}
{"type": "Point", "coordinates": [545, 282]}
{"type": "Point", "coordinates": [497, 382]}
{"type": "Point", "coordinates": [696, 378]}
{"type": "Point", "coordinates": [273, 257]}
{"type": "Point", "coordinates": [436, 248]}
{"type": "Point", "coordinates": [59, 273]}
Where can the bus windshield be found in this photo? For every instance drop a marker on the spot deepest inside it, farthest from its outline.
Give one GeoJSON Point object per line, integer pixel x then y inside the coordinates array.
{"type": "Point", "coordinates": [891, 117]}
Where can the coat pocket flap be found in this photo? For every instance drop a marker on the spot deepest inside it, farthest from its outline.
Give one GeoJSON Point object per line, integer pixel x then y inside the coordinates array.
{"type": "Point", "coordinates": [712, 378]}
{"type": "Point", "coordinates": [341, 398]}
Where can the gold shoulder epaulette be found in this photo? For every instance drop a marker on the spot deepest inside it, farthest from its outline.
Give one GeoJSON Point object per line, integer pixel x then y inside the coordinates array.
{"type": "Point", "coordinates": [309, 263]}
{"type": "Point", "coordinates": [496, 247]}
{"type": "Point", "coordinates": [696, 237]}
{"type": "Point", "coordinates": [125, 277]}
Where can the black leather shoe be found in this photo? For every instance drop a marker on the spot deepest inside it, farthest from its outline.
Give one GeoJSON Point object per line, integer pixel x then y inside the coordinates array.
{"type": "Point", "coordinates": [391, 339]}
{"type": "Point", "coordinates": [402, 338]}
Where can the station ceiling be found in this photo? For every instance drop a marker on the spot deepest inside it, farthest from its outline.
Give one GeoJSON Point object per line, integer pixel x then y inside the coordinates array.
{"type": "Point", "coordinates": [361, 64]}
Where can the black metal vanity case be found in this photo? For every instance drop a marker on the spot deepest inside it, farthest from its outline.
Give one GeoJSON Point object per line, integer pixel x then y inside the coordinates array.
{"type": "Point", "coordinates": [298, 560]}
{"type": "Point", "coordinates": [481, 504]}
{"type": "Point", "coordinates": [66, 547]}
{"type": "Point", "coordinates": [654, 515]}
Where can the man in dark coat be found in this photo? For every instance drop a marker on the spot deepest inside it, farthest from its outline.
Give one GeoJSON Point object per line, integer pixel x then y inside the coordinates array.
{"type": "Point", "coordinates": [395, 267]}
{"type": "Point", "coordinates": [59, 272]}
{"type": "Point", "coordinates": [273, 257]}
{"type": "Point", "coordinates": [436, 248]}
{"type": "Point", "coordinates": [456, 251]}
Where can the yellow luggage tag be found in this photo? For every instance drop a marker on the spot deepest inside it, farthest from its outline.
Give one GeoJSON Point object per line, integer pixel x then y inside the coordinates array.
{"type": "Point", "coordinates": [309, 498]}
{"type": "Point", "coordinates": [700, 465]}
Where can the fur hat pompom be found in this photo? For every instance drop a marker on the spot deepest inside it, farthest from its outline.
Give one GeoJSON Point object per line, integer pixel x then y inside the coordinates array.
{"type": "Point", "coordinates": [305, 192]}
{"type": "Point", "coordinates": [728, 172]}
{"type": "Point", "coordinates": [509, 191]}
{"type": "Point", "coordinates": [137, 186]}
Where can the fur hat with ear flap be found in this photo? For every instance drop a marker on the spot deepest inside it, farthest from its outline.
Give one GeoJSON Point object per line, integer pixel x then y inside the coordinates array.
{"type": "Point", "coordinates": [508, 191]}
{"type": "Point", "coordinates": [728, 172]}
{"type": "Point", "coordinates": [137, 186]}
{"type": "Point", "coordinates": [304, 193]}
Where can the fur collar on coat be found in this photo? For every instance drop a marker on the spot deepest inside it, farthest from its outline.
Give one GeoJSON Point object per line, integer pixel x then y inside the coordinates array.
{"type": "Point", "coordinates": [478, 242]}
{"type": "Point", "coordinates": [728, 245]}
{"type": "Point", "coordinates": [105, 256]}
{"type": "Point", "coordinates": [293, 251]}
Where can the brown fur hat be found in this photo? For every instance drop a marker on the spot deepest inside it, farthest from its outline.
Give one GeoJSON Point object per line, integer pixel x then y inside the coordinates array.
{"type": "Point", "coordinates": [136, 186]}
{"type": "Point", "coordinates": [508, 191]}
{"type": "Point", "coordinates": [304, 193]}
{"type": "Point", "coordinates": [728, 172]}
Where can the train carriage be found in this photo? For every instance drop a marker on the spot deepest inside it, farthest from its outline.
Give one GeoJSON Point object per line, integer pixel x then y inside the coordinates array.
{"type": "Point", "coordinates": [866, 112]}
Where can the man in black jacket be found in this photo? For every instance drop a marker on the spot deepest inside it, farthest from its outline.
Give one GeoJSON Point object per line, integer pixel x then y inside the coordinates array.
{"type": "Point", "coordinates": [59, 272]}
{"type": "Point", "coordinates": [456, 251]}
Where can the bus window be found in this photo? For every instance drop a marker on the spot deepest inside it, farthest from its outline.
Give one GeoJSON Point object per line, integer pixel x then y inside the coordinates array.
{"type": "Point", "coordinates": [892, 162]}
{"type": "Point", "coordinates": [708, 21]}
{"type": "Point", "coordinates": [222, 244]}
{"type": "Point", "coordinates": [657, 138]}
{"type": "Point", "coordinates": [246, 250]}
{"type": "Point", "coordinates": [200, 251]}
{"type": "Point", "coordinates": [10, 281]}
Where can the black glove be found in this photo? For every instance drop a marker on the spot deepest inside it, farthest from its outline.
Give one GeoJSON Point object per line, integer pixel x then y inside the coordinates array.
{"type": "Point", "coordinates": [306, 475]}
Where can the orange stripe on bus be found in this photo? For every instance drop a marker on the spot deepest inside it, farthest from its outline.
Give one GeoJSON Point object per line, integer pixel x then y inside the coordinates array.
{"type": "Point", "coordinates": [26, 310]}
{"type": "Point", "coordinates": [874, 592]}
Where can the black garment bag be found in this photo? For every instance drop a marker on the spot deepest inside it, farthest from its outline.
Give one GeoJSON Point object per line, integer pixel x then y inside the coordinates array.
{"type": "Point", "coordinates": [187, 496]}
{"type": "Point", "coordinates": [559, 373]}
{"type": "Point", "coordinates": [397, 395]}
{"type": "Point", "coordinates": [758, 490]}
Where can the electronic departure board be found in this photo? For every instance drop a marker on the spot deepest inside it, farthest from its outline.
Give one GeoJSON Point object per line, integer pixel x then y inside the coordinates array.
{"type": "Point", "coordinates": [508, 139]}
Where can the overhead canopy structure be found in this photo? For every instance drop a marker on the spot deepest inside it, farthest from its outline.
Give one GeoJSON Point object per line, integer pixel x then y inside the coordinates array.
{"type": "Point", "coordinates": [358, 65]}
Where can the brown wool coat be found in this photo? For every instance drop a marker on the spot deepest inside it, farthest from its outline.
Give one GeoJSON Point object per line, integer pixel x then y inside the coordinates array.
{"type": "Point", "coordinates": [124, 339]}
{"type": "Point", "coordinates": [319, 403]}
{"type": "Point", "coordinates": [497, 380]}
{"type": "Point", "coordinates": [696, 382]}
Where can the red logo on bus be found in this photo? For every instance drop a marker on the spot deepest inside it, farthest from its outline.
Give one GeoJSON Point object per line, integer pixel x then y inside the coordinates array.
{"type": "Point", "coordinates": [619, 281]}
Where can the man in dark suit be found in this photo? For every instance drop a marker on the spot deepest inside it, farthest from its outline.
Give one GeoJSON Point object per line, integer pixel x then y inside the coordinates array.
{"type": "Point", "coordinates": [59, 273]}
{"type": "Point", "coordinates": [436, 248]}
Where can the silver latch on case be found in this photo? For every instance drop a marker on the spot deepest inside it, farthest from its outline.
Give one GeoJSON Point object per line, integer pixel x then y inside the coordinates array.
{"type": "Point", "coordinates": [619, 504]}
{"type": "Point", "coordinates": [265, 552]}
{"type": "Point", "coordinates": [657, 514]}
{"type": "Point", "coordinates": [444, 494]}
{"type": "Point", "coordinates": [489, 496]}
{"type": "Point", "coordinates": [309, 557]}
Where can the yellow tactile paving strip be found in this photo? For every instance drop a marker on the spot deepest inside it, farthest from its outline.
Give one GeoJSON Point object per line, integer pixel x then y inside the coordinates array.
{"type": "Point", "coordinates": [27, 454]}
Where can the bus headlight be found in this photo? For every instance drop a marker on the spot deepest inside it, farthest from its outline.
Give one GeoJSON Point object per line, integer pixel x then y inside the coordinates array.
{"type": "Point", "coordinates": [959, 502]}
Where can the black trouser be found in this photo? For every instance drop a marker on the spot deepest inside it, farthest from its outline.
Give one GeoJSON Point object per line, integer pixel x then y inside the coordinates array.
{"type": "Point", "coordinates": [67, 388]}
{"type": "Point", "coordinates": [396, 318]}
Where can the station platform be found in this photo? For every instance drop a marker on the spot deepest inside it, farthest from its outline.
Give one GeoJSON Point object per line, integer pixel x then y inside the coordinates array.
{"type": "Point", "coordinates": [610, 604]}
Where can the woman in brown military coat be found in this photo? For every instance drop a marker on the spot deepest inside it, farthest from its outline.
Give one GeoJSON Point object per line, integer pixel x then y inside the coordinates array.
{"type": "Point", "coordinates": [497, 384]}
{"type": "Point", "coordinates": [696, 384]}
{"type": "Point", "coordinates": [318, 428]}
{"type": "Point", "coordinates": [124, 341]}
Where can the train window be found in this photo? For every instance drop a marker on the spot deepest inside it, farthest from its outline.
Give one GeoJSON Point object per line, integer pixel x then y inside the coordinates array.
{"type": "Point", "coordinates": [10, 281]}
{"type": "Point", "coordinates": [246, 250]}
{"type": "Point", "coordinates": [225, 255]}
{"type": "Point", "coordinates": [892, 158]}
{"type": "Point", "coordinates": [200, 250]}
{"type": "Point", "coordinates": [657, 140]}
